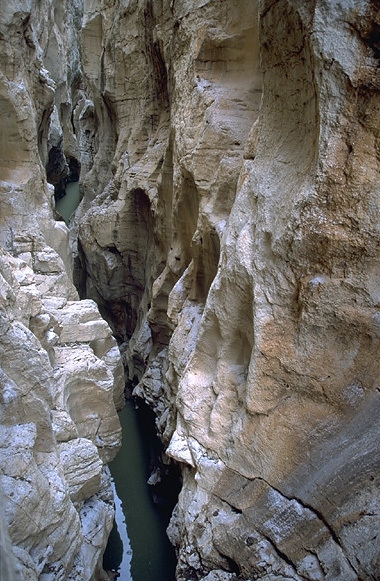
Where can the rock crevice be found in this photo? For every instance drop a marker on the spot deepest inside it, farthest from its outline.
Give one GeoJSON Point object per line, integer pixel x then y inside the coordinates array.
{"type": "Point", "coordinates": [228, 234]}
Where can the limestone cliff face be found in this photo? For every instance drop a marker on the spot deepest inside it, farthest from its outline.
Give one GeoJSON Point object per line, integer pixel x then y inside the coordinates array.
{"type": "Point", "coordinates": [184, 89]}
{"type": "Point", "coordinates": [228, 159]}
{"type": "Point", "coordinates": [60, 369]}
{"type": "Point", "coordinates": [278, 405]}
{"type": "Point", "coordinates": [236, 254]}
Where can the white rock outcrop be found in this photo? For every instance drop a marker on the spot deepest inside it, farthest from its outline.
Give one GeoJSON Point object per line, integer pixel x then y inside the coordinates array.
{"type": "Point", "coordinates": [60, 375]}
{"type": "Point", "coordinates": [229, 161]}
{"type": "Point", "coordinates": [54, 445]}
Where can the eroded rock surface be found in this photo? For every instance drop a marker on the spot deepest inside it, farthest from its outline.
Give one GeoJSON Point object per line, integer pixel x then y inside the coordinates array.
{"type": "Point", "coordinates": [278, 405]}
{"type": "Point", "coordinates": [59, 372]}
{"type": "Point", "coordinates": [235, 253]}
{"type": "Point", "coordinates": [59, 426]}
{"type": "Point", "coordinates": [228, 232]}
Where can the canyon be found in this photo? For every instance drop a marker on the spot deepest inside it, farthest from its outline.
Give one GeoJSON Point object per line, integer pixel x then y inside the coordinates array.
{"type": "Point", "coordinates": [223, 265]}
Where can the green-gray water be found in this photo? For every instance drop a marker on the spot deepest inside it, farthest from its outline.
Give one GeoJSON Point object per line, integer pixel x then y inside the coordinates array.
{"type": "Point", "coordinates": [138, 548]}
{"type": "Point", "coordinates": [69, 203]}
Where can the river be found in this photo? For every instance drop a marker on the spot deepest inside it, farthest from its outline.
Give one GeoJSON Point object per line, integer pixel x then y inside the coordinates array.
{"type": "Point", "coordinates": [138, 549]}
{"type": "Point", "coordinates": [68, 204]}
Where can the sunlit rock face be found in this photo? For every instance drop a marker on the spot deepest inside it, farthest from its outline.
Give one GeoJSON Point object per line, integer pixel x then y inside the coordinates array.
{"type": "Point", "coordinates": [235, 252]}
{"type": "Point", "coordinates": [278, 404]}
{"type": "Point", "coordinates": [58, 422]}
{"type": "Point", "coordinates": [60, 374]}
{"type": "Point", "coordinates": [228, 232]}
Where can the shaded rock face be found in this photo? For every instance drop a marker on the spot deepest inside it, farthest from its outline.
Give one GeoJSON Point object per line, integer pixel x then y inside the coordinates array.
{"type": "Point", "coordinates": [228, 233]}
{"type": "Point", "coordinates": [184, 88]}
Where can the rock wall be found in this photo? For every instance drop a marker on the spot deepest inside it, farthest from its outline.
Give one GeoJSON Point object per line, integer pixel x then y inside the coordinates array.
{"type": "Point", "coordinates": [278, 404]}
{"type": "Point", "coordinates": [228, 160]}
{"type": "Point", "coordinates": [234, 252]}
{"type": "Point", "coordinates": [184, 88]}
{"type": "Point", "coordinates": [60, 368]}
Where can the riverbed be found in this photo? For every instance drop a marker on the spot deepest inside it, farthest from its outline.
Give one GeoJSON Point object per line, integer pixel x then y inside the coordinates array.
{"type": "Point", "coordinates": [138, 549]}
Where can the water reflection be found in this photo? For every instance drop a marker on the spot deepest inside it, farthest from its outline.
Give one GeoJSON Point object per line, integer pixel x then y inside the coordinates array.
{"type": "Point", "coordinates": [120, 558]}
{"type": "Point", "coordinates": [138, 548]}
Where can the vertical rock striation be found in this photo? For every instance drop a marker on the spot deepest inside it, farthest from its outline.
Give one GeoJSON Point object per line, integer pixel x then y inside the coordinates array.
{"type": "Point", "coordinates": [184, 88]}
{"type": "Point", "coordinates": [278, 404]}
{"type": "Point", "coordinates": [228, 164]}
{"type": "Point", "coordinates": [236, 256]}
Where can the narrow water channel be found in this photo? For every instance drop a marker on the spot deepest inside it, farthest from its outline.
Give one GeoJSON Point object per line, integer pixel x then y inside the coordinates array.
{"type": "Point", "coordinates": [68, 204]}
{"type": "Point", "coordinates": [138, 549]}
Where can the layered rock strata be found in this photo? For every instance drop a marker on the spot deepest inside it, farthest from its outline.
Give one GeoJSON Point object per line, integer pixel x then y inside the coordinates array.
{"type": "Point", "coordinates": [60, 371]}
{"type": "Point", "coordinates": [228, 232]}
{"type": "Point", "coordinates": [59, 427]}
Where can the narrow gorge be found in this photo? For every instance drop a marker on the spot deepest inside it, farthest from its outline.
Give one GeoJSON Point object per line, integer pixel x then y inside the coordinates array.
{"type": "Point", "coordinates": [222, 266]}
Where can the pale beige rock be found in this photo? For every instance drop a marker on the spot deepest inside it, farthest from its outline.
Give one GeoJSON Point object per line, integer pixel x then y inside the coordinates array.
{"type": "Point", "coordinates": [234, 254]}
{"type": "Point", "coordinates": [114, 364]}
{"type": "Point", "coordinates": [81, 467]}
{"type": "Point", "coordinates": [248, 245]}
{"type": "Point", "coordinates": [97, 516]}
{"type": "Point", "coordinates": [279, 376]}
{"type": "Point", "coordinates": [81, 323]}
{"type": "Point", "coordinates": [84, 389]}
{"type": "Point", "coordinates": [52, 539]}
{"type": "Point", "coordinates": [219, 576]}
{"type": "Point", "coordinates": [63, 426]}
{"type": "Point", "coordinates": [44, 525]}
{"type": "Point", "coordinates": [7, 560]}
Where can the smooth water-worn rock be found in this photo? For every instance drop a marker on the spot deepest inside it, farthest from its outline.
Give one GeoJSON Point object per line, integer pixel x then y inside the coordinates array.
{"type": "Point", "coordinates": [234, 253]}
{"type": "Point", "coordinates": [227, 157]}
{"type": "Point", "coordinates": [278, 404]}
